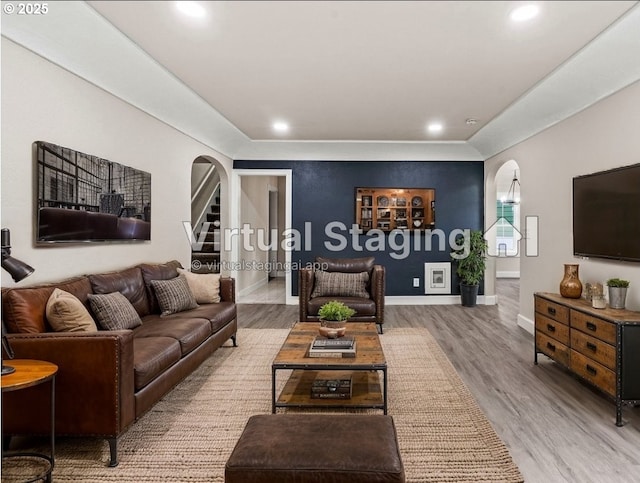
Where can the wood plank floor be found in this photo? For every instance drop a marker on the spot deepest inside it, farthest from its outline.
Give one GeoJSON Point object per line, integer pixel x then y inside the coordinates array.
{"type": "Point", "coordinates": [556, 427]}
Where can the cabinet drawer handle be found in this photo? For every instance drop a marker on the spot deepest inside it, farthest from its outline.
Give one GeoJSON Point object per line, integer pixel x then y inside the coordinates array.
{"type": "Point", "coordinates": [551, 346]}
{"type": "Point", "coordinates": [591, 370]}
{"type": "Point", "coordinates": [592, 346]}
{"type": "Point", "coordinates": [551, 328]}
{"type": "Point", "coordinates": [591, 326]}
{"type": "Point", "coordinates": [551, 311]}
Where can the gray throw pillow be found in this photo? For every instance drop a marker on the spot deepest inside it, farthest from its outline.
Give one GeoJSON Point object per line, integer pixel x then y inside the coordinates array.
{"type": "Point", "coordinates": [113, 311]}
{"type": "Point", "coordinates": [173, 295]}
{"type": "Point", "coordinates": [340, 284]}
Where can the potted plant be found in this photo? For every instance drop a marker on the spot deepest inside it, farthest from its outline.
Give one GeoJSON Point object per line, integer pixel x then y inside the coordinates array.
{"type": "Point", "coordinates": [333, 316]}
{"type": "Point", "coordinates": [617, 292]}
{"type": "Point", "coordinates": [471, 261]}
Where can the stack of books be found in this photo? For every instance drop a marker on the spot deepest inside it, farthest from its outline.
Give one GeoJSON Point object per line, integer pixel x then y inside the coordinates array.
{"type": "Point", "coordinates": [331, 388]}
{"type": "Point", "coordinates": [342, 347]}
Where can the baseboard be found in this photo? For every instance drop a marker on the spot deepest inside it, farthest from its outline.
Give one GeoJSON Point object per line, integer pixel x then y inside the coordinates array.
{"type": "Point", "coordinates": [508, 274]}
{"type": "Point", "coordinates": [420, 300]}
{"type": "Point", "coordinates": [435, 300]}
{"type": "Point", "coordinates": [526, 323]}
{"type": "Point", "coordinates": [291, 300]}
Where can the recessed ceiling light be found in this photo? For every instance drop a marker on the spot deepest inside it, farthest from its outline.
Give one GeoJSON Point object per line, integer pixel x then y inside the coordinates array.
{"type": "Point", "coordinates": [435, 127]}
{"type": "Point", "coordinates": [524, 13]}
{"type": "Point", "coordinates": [280, 127]}
{"type": "Point", "coordinates": [191, 9]}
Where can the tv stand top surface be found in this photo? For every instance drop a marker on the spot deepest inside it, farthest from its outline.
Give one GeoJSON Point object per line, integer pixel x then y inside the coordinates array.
{"type": "Point", "coordinates": [616, 316]}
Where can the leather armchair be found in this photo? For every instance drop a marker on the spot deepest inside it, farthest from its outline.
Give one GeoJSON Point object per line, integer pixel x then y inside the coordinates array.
{"type": "Point", "coordinates": [369, 309]}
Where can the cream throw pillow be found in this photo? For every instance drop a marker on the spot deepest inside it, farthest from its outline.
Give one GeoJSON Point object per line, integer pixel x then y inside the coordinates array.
{"type": "Point", "coordinates": [66, 313]}
{"type": "Point", "coordinates": [204, 286]}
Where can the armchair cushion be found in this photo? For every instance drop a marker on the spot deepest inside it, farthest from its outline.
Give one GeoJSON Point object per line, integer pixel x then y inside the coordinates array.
{"type": "Point", "coordinates": [339, 284]}
{"type": "Point", "coordinates": [347, 265]}
{"type": "Point", "coordinates": [363, 307]}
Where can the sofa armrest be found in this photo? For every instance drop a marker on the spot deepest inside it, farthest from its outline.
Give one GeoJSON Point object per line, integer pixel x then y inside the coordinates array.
{"type": "Point", "coordinates": [378, 290]}
{"type": "Point", "coordinates": [306, 277]}
{"type": "Point", "coordinates": [94, 384]}
{"type": "Point", "coordinates": [227, 289]}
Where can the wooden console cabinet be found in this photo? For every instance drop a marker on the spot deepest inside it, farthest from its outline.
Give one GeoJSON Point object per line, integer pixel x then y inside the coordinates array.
{"type": "Point", "coordinates": [602, 346]}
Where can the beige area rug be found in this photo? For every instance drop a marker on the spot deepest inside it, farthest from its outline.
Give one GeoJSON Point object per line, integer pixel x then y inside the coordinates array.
{"type": "Point", "coordinates": [188, 436]}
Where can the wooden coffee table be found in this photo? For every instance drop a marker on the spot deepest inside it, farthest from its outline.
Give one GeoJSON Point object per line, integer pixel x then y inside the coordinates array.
{"type": "Point", "coordinates": [364, 369]}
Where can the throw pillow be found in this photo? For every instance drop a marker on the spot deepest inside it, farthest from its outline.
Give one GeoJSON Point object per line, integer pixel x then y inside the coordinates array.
{"type": "Point", "coordinates": [66, 313]}
{"type": "Point", "coordinates": [204, 286]}
{"type": "Point", "coordinates": [340, 284]}
{"type": "Point", "coordinates": [173, 295]}
{"type": "Point", "coordinates": [114, 311]}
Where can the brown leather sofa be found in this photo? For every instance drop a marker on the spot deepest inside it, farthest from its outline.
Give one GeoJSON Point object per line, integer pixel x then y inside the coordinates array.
{"type": "Point", "coordinates": [108, 379]}
{"type": "Point", "coordinates": [368, 309]}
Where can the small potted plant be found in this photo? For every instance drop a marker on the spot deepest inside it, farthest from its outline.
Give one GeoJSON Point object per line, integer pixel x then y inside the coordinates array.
{"type": "Point", "coordinates": [471, 262]}
{"type": "Point", "coordinates": [333, 316]}
{"type": "Point", "coordinates": [617, 292]}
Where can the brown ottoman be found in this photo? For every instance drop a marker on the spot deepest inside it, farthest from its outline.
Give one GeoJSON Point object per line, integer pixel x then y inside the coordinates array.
{"type": "Point", "coordinates": [327, 448]}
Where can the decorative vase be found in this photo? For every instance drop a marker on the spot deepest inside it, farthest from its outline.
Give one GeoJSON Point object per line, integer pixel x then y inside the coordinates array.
{"type": "Point", "coordinates": [617, 297]}
{"type": "Point", "coordinates": [570, 286]}
{"type": "Point", "coordinates": [332, 328]}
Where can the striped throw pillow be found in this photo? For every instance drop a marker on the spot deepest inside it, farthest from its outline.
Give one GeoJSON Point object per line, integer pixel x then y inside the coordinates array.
{"type": "Point", "coordinates": [340, 284]}
{"type": "Point", "coordinates": [173, 295]}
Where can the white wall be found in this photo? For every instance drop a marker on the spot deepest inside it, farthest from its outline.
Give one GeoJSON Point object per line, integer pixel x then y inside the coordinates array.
{"type": "Point", "coordinates": [41, 101]}
{"type": "Point", "coordinates": [601, 137]}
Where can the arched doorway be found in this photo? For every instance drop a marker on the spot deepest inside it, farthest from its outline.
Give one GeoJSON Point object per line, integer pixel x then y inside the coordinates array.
{"type": "Point", "coordinates": [208, 214]}
{"type": "Point", "coordinates": [507, 227]}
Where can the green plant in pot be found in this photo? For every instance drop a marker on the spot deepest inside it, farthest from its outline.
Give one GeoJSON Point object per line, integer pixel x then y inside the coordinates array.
{"type": "Point", "coordinates": [471, 261]}
{"type": "Point", "coordinates": [333, 316]}
{"type": "Point", "coordinates": [617, 292]}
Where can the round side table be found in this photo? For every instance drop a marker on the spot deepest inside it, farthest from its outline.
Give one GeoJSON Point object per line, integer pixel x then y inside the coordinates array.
{"type": "Point", "coordinates": [29, 373]}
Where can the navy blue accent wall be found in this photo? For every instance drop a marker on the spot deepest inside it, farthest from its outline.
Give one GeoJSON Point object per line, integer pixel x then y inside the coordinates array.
{"type": "Point", "coordinates": [324, 192]}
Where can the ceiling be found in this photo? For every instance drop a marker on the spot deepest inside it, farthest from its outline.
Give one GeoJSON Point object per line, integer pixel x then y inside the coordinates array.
{"type": "Point", "coordinates": [354, 80]}
{"type": "Point", "coordinates": [373, 70]}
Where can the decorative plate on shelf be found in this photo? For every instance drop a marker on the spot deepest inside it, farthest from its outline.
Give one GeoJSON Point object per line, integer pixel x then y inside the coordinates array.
{"type": "Point", "coordinates": [383, 201]}
{"type": "Point", "coordinates": [416, 201]}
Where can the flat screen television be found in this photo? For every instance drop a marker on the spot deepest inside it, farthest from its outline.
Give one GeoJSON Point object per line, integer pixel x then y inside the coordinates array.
{"type": "Point", "coordinates": [84, 198]}
{"type": "Point", "coordinates": [606, 214]}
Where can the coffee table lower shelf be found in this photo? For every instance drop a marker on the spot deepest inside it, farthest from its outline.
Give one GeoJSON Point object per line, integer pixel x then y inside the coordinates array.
{"type": "Point", "coordinates": [366, 390]}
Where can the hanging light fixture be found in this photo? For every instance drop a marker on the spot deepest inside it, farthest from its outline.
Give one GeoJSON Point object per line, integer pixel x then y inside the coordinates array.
{"type": "Point", "coordinates": [513, 196]}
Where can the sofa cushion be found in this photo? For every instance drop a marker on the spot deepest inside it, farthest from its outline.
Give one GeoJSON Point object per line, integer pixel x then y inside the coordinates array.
{"type": "Point", "coordinates": [189, 332]}
{"type": "Point", "coordinates": [151, 357]}
{"type": "Point", "coordinates": [65, 313]}
{"type": "Point", "coordinates": [340, 284]}
{"type": "Point", "coordinates": [218, 315]}
{"type": "Point", "coordinates": [173, 295]}
{"type": "Point", "coordinates": [204, 286]}
{"type": "Point", "coordinates": [157, 271]}
{"type": "Point", "coordinates": [24, 309]}
{"type": "Point", "coordinates": [128, 282]}
{"type": "Point", "coordinates": [114, 311]}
